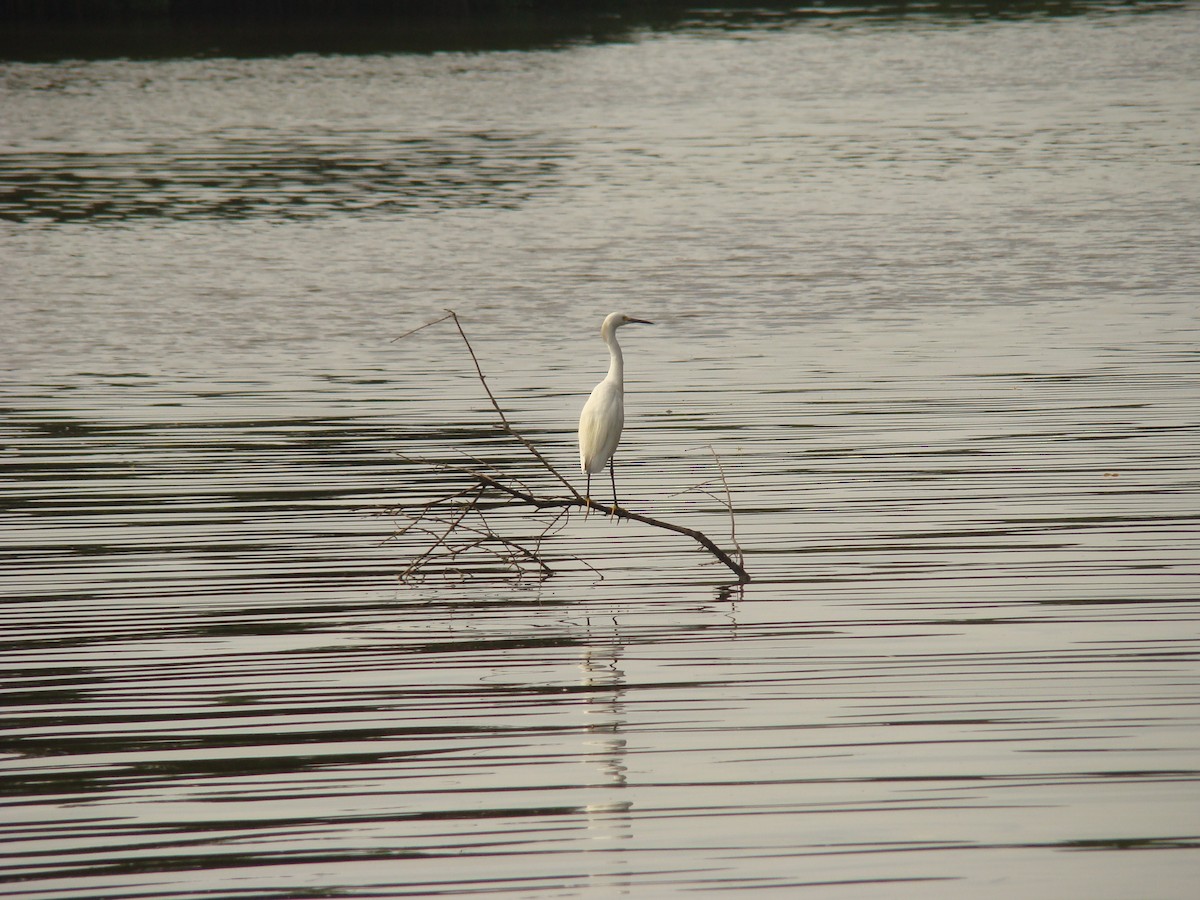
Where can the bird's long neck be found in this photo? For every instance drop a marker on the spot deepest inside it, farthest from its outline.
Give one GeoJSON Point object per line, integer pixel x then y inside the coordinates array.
{"type": "Point", "coordinates": [616, 363]}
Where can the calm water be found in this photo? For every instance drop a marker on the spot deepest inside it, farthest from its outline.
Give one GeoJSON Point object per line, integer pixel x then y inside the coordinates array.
{"type": "Point", "coordinates": [926, 284]}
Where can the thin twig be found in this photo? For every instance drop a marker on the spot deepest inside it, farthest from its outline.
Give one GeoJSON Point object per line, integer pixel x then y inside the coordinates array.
{"type": "Point", "coordinates": [500, 412]}
{"type": "Point", "coordinates": [422, 327]}
{"type": "Point", "coordinates": [497, 470]}
{"type": "Point", "coordinates": [729, 506]}
{"type": "Point", "coordinates": [440, 540]}
{"type": "Point", "coordinates": [485, 535]}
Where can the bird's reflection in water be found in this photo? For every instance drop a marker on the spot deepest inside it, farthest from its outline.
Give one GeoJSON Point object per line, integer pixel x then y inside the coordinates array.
{"type": "Point", "coordinates": [608, 814]}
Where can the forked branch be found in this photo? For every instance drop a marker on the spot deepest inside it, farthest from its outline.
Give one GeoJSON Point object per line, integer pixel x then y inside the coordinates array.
{"type": "Point", "coordinates": [451, 514]}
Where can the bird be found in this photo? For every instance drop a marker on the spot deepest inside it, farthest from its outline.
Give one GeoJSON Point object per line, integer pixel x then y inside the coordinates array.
{"type": "Point", "coordinates": [603, 416]}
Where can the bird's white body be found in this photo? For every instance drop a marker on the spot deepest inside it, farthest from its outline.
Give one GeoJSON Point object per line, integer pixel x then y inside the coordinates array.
{"type": "Point", "coordinates": [600, 424]}
{"type": "Point", "coordinates": [603, 416]}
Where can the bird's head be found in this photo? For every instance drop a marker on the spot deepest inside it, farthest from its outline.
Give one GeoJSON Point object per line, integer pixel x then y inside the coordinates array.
{"type": "Point", "coordinates": [617, 319]}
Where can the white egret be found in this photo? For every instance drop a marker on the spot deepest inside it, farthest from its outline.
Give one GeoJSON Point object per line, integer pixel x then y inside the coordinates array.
{"type": "Point", "coordinates": [603, 415]}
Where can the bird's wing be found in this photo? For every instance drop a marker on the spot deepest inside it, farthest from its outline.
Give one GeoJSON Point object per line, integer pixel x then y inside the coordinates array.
{"type": "Point", "coordinates": [600, 424]}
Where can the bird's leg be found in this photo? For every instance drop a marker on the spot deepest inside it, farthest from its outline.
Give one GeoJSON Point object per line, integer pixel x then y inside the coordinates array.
{"type": "Point", "coordinates": [612, 473]}
{"type": "Point", "coordinates": [587, 496]}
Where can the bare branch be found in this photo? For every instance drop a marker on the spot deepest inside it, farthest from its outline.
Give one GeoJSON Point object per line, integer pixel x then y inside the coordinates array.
{"type": "Point", "coordinates": [554, 502]}
{"type": "Point", "coordinates": [504, 419]}
{"type": "Point", "coordinates": [501, 483]}
{"type": "Point", "coordinates": [448, 315]}
{"type": "Point", "coordinates": [728, 505]}
{"type": "Point", "coordinates": [440, 540]}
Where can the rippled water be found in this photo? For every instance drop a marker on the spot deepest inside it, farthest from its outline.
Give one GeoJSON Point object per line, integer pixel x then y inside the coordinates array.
{"type": "Point", "coordinates": [927, 286]}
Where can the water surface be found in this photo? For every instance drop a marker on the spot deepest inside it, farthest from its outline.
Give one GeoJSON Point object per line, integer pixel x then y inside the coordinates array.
{"type": "Point", "coordinates": [926, 284]}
